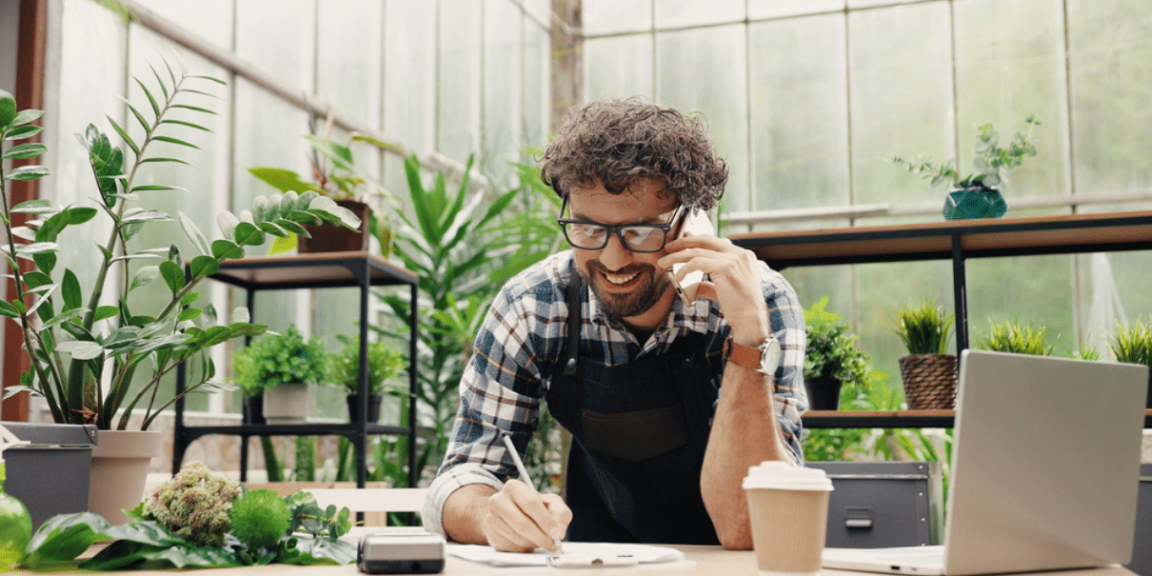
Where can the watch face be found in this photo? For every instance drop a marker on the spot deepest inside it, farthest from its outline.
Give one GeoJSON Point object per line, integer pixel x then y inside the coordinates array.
{"type": "Point", "coordinates": [770, 356]}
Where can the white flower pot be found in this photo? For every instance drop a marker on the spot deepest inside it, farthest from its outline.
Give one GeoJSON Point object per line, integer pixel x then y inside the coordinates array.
{"type": "Point", "coordinates": [287, 403]}
{"type": "Point", "coordinates": [120, 462]}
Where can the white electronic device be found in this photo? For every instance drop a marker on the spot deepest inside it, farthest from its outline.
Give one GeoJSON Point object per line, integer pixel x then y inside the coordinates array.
{"type": "Point", "coordinates": [696, 223]}
{"type": "Point", "coordinates": [401, 550]}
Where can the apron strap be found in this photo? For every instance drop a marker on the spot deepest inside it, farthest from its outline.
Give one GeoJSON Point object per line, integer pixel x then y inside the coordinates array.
{"type": "Point", "coordinates": [572, 345]}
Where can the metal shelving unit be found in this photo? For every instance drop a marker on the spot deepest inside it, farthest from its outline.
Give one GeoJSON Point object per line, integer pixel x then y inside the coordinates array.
{"type": "Point", "coordinates": [956, 240]}
{"type": "Point", "coordinates": [321, 270]}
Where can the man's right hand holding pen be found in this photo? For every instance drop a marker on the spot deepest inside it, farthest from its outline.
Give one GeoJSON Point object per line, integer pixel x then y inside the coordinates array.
{"type": "Point", "coordinates": [520, 519]}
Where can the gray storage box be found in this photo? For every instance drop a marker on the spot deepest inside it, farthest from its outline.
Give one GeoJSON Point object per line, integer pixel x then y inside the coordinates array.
{"type": "Point", "coordinates": [1142, 547]}
{"type": "Point", "coordinates": [50, 474]}
{"type": "Point", "coordinates": [881, 504]}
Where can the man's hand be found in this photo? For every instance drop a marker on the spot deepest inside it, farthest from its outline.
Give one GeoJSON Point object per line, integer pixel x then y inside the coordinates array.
{"type": "Point", "coordinates": [514, 519]}
{"type": "Point", "coordinates": [520, 520]}
{"type": "Point", "coordinates": [733, 282]}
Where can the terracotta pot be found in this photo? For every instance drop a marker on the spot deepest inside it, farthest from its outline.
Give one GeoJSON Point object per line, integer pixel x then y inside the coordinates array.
{"type": "Point", "coordinates": [326, 238]}
{"type": "Point", "coordinates": [120, 463]}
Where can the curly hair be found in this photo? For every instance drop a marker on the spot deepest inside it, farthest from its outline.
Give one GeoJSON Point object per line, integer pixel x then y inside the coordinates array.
{"type": "Point", "coordinates": [618, 142]}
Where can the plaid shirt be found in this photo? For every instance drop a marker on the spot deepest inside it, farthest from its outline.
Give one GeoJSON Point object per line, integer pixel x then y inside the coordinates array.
{"type": "Point", "coordinates": [521, 343]}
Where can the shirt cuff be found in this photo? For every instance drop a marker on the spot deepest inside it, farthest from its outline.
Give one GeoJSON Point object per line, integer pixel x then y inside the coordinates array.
{"type": "Point", "coordinates": [448, 482]}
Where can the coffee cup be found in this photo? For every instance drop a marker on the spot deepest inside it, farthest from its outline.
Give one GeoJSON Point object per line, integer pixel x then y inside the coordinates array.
{"type": "Point", "coordinates": [788, 509]}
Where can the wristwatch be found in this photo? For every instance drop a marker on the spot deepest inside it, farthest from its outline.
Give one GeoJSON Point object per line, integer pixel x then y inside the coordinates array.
{"type": "Point", "coordinates": [764, 359]}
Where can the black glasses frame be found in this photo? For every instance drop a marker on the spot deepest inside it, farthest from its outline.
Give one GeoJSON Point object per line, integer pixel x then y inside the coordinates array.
{"type": "Point", "coordinates": [617, 230]}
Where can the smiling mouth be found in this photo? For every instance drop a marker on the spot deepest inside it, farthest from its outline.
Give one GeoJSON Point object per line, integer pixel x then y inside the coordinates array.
{"type": "Point", "coordinates": [619, 279]}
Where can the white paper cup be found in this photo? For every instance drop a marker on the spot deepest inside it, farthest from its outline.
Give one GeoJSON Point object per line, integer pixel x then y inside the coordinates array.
{"type": "Point", "coordinates": [788, 508]}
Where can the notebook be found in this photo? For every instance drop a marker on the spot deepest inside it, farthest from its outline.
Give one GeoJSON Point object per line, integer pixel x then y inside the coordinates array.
{"type": "Point", "coordinates": [1045, 470]}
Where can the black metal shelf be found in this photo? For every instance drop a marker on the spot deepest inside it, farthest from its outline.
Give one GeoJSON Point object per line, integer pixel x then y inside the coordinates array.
{"type": "Point", "coordinates": [320, 270]}
{"type": "Point", "coordinates": [956, 240]}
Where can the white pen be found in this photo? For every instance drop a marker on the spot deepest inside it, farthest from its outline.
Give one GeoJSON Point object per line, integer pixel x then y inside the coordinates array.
{"type": "Point", "coordinates": [524, 477]}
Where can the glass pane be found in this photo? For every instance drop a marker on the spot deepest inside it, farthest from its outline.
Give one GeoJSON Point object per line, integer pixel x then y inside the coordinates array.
{"type": "Point", "coordinates": [501, 78]}
{"type": "Point", "coordinates": [612, 16]}
{"type": "Point", "coordinates": [678, 13]}
{"type": "Point", "coordinates": [282, 42]}
{"type": "Point", "coordinates": [348, 57]}
{"type": "Point", "coordinates": [535, 85]}
{"type": "Point", "coordinates": [869, 3]}
{"type": "Point", "coordinates": [459, 79]}
{"type": "Point", "coordinates": [799, 113]}
{"type": "Point", "coordinates": [1108, 71]}
{"type": "Point", "coordinates": [776, 8]}
{"type": "Point", "coordinates": [540, 10]}
{"type": "Point", "coordinates": [1033, 290]}
{"type": "Point", "coordinates": [1010, 64]}
{"type": "Point", "coordinates": [901, 91]}
{"type": "Point", "coordinates": [702, 71]}
{"type": "Point", "coordinates": [616, 67]}
{"type": "Point", "coordinates": [210, 20]}
{"type": "Point", "coordinates": [410, 74]}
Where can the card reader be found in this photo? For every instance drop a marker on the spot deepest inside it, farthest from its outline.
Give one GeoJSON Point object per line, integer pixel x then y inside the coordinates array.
{"type": "Point", "coordinates": [401, 550]}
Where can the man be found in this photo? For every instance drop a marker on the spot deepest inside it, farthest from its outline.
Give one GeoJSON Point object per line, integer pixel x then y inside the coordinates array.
{"type": "Point", "coordinates": [665, 401]}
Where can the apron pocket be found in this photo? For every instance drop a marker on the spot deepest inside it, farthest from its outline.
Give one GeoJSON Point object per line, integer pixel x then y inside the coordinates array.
{"type": "Point", "coordinates": [635, 436]}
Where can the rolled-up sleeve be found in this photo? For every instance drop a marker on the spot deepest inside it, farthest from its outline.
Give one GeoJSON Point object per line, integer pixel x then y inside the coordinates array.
{"type": "Point", "coordinates": [787, 319]}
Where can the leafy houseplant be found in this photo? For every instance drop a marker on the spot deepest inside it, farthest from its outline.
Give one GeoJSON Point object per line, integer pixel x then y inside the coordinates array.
{"type": "Point", "coordinates": [1012, 337]}
{"type": "Point", "coordinates": [95, 355]}
{"type": "Point", "coordinates": [384, 364]}
{"type": "Point", "coordinates": [975, 195]}
{"type": "Point", "coordinates": [831, 358]}
{"type": "Point", "coordinates": [929, 373]}
{"type": "Point", "coordinates": [283, 364]}
{"type": "Point", "coordinates": [335, 175]}
{"type": "Point", "coordinates": [1133, 344]}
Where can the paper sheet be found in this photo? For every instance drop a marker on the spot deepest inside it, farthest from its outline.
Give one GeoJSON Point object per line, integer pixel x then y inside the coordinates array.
{"type": "Point", "coordinates": [575, 554]}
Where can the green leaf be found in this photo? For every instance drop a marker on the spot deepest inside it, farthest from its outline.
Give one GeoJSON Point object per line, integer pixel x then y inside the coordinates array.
{"type": "Point", "coordinates": [183, 123]}
{"type": "Point", "coordinates": [281, 179]}
{"type": "Point", "coordinates": [24, 151]}
{"type": "Point", "coordinates": [176, 160]}
{"type": "Point", "coordinates": [22, 132]}
{"type": "Point", "coordinates": [27, 173]}
{"type": "Point", "coordinates": [8, 310]}
{"type": "Point", "coordinates": [148, 187]}
{"type": "Point", "coordinates": [45, 261]}
{"type": "Point", "coordinates": [173, 275]}
{"type": "Point", "coordinates": [151, 100]}
{"type": "Point", "coordinates": [143, 277]}
{"type": "Point", "coordinates": [80, 215]}
{"type": "Point", "coordinates": [204, 266]}
{"type": "Point", "coordinates": [31, 115]}
{"type": "Point", "coordinates": [105, 312]}
{"type": "Point", "coordinates": [85, 350]}
{"type": "Point", "coordinates": [193, 108]}
{"type": "Point", "coordinates": [189, 314]}
{"type": "Point", "coordinates": [63, 538]}
{"type": "Point", "coordinates": [247, 234]}
{"type": "Point", "coordinates": [193, 232]}
{"type": "Point", "coordinates": [7, 108]}
{"type": "Point", "coordinates": [71, 292]}
{"type": "Point", "coordinates": [317, 551]}
{"type": "Point", "coordinates": [175, 141]}
{"type": "Point", "coordinates": [37, 207]}
{"type": "Point", "coordinates": [189, 298]}
{"type": "Point", "coordinates": [124, 134]}
{"type": "Point", "coordinates": [226, 249]}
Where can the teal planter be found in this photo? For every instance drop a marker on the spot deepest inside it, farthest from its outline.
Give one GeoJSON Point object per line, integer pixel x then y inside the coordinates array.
{"type": "Point", "coordinates": [971, 203]}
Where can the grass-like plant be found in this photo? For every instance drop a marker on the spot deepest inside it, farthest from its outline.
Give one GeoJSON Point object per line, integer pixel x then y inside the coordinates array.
{"type": "Point", "coordinates": [1012, 337]}
{"type": "Point", "coordinates": [923, 328]}
{"type": "Point", "coordinates": [1133, 344]}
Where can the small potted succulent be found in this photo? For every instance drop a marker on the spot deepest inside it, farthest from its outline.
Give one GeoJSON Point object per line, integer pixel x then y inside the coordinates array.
{"type": "Point", "coordinates": [977, 195]}
{"type": "Point", "coordinates": [1133, 344]}
{"type": "Point", "coordinates": [831, 358]}
{"type": "Point", "coordinates": [928, 371]}
{"type": "Point", "coordinates": [384, 364]}
{"type": "Point", "coordinates": [283, 365]}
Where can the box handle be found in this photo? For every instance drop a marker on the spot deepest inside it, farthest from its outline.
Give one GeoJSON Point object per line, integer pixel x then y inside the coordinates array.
{"type": "Point", "coordinates": [858, 518]}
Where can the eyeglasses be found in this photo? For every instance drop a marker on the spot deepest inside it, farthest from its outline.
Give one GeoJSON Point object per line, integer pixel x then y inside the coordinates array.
{"type": "Point", "coordinates": [636, 237]}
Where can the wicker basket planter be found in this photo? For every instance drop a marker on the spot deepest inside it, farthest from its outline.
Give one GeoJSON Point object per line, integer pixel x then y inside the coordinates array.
{"type": "Point", "coordinates": [929, 381]}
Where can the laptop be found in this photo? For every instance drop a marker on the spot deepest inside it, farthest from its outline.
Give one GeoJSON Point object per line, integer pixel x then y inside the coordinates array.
{"type": "Point", "coordinates": [1045, 470]}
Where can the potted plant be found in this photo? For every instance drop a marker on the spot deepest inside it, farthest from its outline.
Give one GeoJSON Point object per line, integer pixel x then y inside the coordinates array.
{"type": "Point", "coordinates": [976, 195]}
{"type": "Point", "coordinates": [245, 377]}
{"type": "Point", "coordinates": [284, 365]}
{"type": "Point", "coordinates": [1133, 344]}
{"type": "Point", "coordinates": [928, 371]}
{"type": "Point", "coordinates": [384, 364]}
{"type": "Point", "coordinates": [96, 355]}
{"type": "Point", "coordinates": [1012, 337]}
{"type": "Point", "coordinates": [338, 177]}
{"type": "Point", "coordinates": [831, 358]}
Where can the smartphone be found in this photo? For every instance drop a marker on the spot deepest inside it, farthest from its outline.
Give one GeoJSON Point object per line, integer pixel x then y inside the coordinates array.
{"type": "Point", "coordinates": [696, 223]}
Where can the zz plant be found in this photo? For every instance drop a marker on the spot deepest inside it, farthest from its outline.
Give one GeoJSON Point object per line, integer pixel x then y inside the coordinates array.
{"type": "Point", "coordinates": [95, 354]}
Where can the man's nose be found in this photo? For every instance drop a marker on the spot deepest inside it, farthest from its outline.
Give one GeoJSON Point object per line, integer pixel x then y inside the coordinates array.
{"type": "Point", "coordinates": [615, 255]}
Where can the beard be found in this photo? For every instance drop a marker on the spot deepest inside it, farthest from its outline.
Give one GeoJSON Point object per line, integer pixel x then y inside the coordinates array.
{"type": "Point", "coordinates": [634, 302]}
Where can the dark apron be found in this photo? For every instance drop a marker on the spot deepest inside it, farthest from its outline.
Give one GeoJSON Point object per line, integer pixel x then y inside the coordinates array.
{"type": "Point", "coordinates": [639, 432]}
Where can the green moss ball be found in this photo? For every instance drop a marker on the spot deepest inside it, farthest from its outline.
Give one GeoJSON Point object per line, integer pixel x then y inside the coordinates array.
{"type": "Point", "coordinates": [260, 518]}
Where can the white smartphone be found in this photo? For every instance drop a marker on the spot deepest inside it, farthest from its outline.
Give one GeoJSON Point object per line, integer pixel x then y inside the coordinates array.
{"type": "Point", "coordinates": [696, 223]}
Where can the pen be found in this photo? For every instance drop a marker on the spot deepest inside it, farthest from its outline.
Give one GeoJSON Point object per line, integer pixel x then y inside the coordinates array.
{"type": "Point", "coordinates": [524, 476]}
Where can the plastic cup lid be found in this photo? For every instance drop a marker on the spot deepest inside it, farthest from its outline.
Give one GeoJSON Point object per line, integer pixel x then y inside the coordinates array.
{"type": "Point", "coordinates": [784, 476]}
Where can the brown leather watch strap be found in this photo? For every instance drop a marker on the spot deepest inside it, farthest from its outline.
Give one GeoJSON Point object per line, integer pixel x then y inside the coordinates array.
{"type": "Point", "coordinates": [745, 356]}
